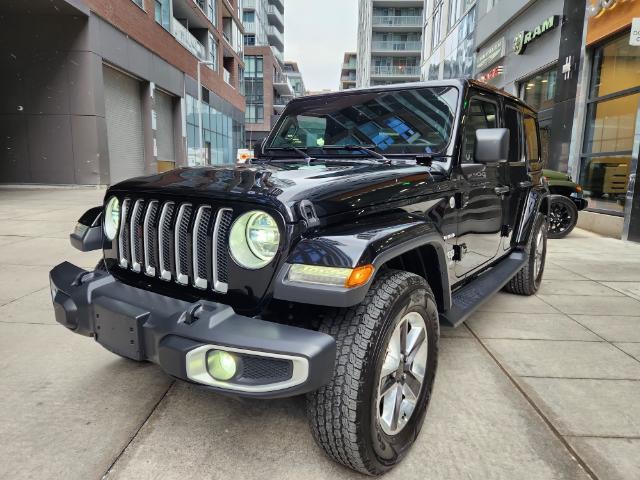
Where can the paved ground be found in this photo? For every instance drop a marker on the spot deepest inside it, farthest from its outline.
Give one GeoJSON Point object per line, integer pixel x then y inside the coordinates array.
{"type": "Point", "coordinates": [546, 387]}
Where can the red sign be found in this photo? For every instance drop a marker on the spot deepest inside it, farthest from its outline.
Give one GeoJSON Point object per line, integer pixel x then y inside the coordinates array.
{"type": "Point", "coordinates": [489, 75]}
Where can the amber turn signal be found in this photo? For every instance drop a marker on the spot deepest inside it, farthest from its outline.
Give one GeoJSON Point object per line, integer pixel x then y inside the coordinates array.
{"type": "Point", "coordinates": [359, 276]}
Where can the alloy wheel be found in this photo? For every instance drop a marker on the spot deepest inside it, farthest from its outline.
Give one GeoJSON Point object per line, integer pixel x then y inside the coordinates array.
{"type": "Point", "coordinates": [403, 372]}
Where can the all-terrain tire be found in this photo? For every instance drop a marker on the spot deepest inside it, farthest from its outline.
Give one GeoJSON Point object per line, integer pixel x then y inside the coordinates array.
{"type": "Point", "coordinates": [528, 279]}
{"type": "Point", "coordinates": [563, 216]}
{"type": "Point", "coordinates": [343, 414]}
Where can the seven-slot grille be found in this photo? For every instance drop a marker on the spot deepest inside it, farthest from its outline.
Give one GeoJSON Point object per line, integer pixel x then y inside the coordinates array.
{"type": "Point", "coordinates": [181, 242]}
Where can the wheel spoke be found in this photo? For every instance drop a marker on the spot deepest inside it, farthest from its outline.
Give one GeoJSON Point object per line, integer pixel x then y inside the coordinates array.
{"type": "Point", "coordinates": [413, 384]}
{"type": "Point", "coordinates": [396, 407]}
{"type": "Point", "coordinates": [415, 338]}
{"type": "Point", "coordinates": [404, 331]}
{"type": "Point", "coordinates": [388, 406]}
{"type": "Point", "coordinates": [392, 358]}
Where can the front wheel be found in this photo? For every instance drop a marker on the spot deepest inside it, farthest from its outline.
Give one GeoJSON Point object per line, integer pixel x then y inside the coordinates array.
{"type": "Point", "coordinates": [563, 216]}
{"type": "Point", "coordinates": [371, 412]}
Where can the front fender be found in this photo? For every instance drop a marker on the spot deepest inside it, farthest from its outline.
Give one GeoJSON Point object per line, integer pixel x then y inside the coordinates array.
{"type": "Point", "coordinates": [373, 241]}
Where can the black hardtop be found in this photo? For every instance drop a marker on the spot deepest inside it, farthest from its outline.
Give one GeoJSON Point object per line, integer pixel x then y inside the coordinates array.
{"type": "Point", "coordinates": [461, 83]}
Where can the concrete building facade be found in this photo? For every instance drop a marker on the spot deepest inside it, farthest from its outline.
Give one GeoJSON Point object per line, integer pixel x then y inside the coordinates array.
{"type": "Point", "coordinates": [348, 71]}
{"type": "Point", "coordinates": [94, 91]}
{"type": "Point", "coordinates": [293, 73]}
{"type": "Point", "coordinates": [389, 41]}
{"type": "Point", "coordinates": [267, 87]}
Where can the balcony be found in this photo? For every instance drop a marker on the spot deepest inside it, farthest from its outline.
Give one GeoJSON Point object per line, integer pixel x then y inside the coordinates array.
{"type": "Point", "coordinates": [277, 3]}
{"type": "Point", "coordinates": [277, 54]}
{"type": "Point", "coordinates": [349, 66]}
{"type": "Point", "coordinates": [187, 40]}
{"type": "Point", "coordinates": [249, 4]}
{"type": "Point", "coordinates": [249, 27]}
{"type": "Point", "coordinates": [282, 84]}
{"type": "Point", "coordinates": [275, 37]}
{"type": "Point", "coordinates": [348, 78]}
{"type": "Point", "coordinates": [276, 17]}
{"type": "Point", "coordinates": [227, 76]}
{"type": "Point", "coordinates": [396, 47]}
{"type": "Point", "coordinates": [398, 22]}
{"type": "Point", "coordinates": [400, 71]}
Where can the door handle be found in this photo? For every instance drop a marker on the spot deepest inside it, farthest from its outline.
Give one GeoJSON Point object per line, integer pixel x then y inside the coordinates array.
{"type": "Point", "coordinates": [502, 190]}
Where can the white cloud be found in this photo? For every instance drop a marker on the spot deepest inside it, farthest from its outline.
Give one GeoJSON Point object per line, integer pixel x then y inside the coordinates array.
{"type": "Point", "coordinates": [317, 33]}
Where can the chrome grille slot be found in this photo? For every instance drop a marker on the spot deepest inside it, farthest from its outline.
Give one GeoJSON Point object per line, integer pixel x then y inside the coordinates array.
{"type": "Point", "coordinates": [123, 237]}
{"type": "Point", "coordinates": [181, 243]}
{"type": "Point", "coordinates": [151, 239]}
{"type": "Point", "coordinates": [136, 232]}
{"type": "Point", "coordinates": [200, 243]}
{"type": "Point", "coordinates": [219, 250]}
{"type": "Point", "coordinates": [165, 240]}
{"type": "Point", "coordinates": [178, 242]}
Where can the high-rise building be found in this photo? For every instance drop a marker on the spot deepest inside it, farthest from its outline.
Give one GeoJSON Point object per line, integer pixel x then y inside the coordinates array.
{"type": "Point", "coordinates": [94, 92]}
{"type": "Point", "coordinates": [348, 71]}
{"type": "Point", "coordinates": [448, 46]}
{"type": "Point", "coordinates": [292, 71]}
{"type": "Point", "coordinates": [389, 41]}
{"type": "Point", "coordinates": [267, 87]}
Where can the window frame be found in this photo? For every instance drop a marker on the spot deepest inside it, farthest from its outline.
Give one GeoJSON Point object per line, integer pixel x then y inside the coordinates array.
{"type": "Point", "coordinates": [499, 121]}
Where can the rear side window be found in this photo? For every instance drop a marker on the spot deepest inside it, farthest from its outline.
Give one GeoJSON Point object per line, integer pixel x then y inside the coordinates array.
{"type": "Point", "coordinates": [512, 121]}
{"type": "Point", "coordinates": [532, 149]}
{"type": "Point", "coordinates": [480, 114]}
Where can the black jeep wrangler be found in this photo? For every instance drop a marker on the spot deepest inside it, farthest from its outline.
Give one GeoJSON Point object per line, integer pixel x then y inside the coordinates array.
{"type": "Point", "coordinates": [325, 265]}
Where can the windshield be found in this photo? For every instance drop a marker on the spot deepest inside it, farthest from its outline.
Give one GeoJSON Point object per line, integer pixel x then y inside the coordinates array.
{"type": "Point", "coordinates": [412, 121]}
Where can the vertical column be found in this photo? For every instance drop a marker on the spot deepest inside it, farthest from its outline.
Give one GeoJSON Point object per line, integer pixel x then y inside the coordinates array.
{"type": "Point", "coordinates": [149, 126]}
{"type": "Point", "coordinates": [631, 226]}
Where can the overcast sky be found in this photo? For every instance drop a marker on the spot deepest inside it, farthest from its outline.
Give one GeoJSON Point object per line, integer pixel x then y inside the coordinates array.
{"type": "Point", "coordinates": [317, 33]}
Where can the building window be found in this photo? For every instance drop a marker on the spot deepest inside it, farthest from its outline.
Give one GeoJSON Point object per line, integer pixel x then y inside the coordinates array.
{"type": "Point", "coordinates": [211, 12]}
{"type": "Point", "coordinates": [249, 39]}
{"type": "Point", "coordinates": [213, 52]}
{"type": "Point", "coordinates": [221, 135]}
{"type": "Point", "coordinates": [254, 88]}
{"type": "Point", "coordinates": [163, 13]}
{"type": "Point", "coordinates": [435, 29]}
{"type": "Point", "coordinates": [612, 109]}
{"type": "Point", "coordinates": [539, 91]}
{"type": "Point", "coordinates": [140, 3]}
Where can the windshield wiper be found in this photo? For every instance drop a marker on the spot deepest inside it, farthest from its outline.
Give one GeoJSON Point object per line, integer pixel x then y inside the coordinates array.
{"type": "Point", "coordinates": [364, 148]}
{"type": "Point", "coordinates": [291, 148]}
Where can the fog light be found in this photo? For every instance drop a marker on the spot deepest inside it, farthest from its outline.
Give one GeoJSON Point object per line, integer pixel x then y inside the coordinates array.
{"type": "Point", "coordinates": [221, 365]}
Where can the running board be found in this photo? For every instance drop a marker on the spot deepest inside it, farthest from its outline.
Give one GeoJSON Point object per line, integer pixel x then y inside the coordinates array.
{"type": "Point", "coordinates": [466, 300]}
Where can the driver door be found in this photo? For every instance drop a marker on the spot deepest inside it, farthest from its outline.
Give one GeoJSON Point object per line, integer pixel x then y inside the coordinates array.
{"type": "Point", "coordinates": [481, 205]}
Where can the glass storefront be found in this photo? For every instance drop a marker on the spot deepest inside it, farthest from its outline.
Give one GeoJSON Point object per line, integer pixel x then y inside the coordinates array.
{"type": "Point", "coordinates": [539, 92]}
{"type": "Point", "coordinates": [614, 99]}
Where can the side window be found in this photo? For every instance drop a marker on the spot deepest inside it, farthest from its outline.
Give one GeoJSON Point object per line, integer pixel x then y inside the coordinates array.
{"type": "Point", "coordinates": [512, 119]}
{"type": "Point", "coordinates": [532, 149]}
{"type": "Point", "coordinates": [480, 114]}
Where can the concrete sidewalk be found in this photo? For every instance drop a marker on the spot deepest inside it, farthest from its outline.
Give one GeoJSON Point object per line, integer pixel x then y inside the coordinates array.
{"type": "Point", "coordinates": [553, 394]}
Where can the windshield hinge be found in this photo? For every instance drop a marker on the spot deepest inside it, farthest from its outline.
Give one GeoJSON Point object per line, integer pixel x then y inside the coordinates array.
{"type": "Point", "coordinates": [308, 213]}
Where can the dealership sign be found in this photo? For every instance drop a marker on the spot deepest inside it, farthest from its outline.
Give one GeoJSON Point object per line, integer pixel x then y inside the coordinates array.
{"type": "Point", "coordinates": [491, 54]}
{"type": "Point", "coordinates": [525, 37]}
{"type": "Point", "coordinates": [492, 74]}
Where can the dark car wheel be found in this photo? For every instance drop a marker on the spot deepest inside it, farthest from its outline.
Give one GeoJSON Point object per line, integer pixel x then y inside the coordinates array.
{"type": "Point", "coordinates": [371, 412]}
{"type": "Point", "coordinates": [563, 216]}
{"type": "Point", "coordinates": [528, 279]}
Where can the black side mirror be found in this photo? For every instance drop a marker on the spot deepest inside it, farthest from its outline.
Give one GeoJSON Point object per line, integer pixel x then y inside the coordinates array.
{"type": "Point", "coordinates": [87, 236]}
{"type": "Point", "coordinates": [492, 145]}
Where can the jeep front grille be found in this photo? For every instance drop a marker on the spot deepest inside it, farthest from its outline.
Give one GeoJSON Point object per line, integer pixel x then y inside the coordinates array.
{"type": "Point", "coordinates": [180, 242]}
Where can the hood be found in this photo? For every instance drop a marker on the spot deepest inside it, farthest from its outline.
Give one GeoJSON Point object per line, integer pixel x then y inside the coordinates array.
{"type": "Point", "coordinates": [332, 187]}
{"type": "Point", "coordinates": [554, 175]}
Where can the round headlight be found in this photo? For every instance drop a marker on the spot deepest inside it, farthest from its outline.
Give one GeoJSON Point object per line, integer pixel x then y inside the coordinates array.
{"type": "Point", "coordinates": [112, 218]}
{"type": "Point", "coordinates": [254, 239]}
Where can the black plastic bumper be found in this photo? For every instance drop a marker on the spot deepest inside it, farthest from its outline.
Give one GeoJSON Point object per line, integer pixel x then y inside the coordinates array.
{"type": "Point", "coordinates": [144, 325]}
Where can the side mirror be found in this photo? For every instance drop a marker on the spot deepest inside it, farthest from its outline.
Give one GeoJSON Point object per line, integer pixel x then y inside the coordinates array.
{"type": "Point", "coordinates": [87, 236]}
{"type": "Point", "coordinates": [492, 145]}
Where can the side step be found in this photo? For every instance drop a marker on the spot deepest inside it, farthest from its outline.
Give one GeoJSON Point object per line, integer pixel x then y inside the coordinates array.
{"type": "Point", "coordinates": [466, 300]}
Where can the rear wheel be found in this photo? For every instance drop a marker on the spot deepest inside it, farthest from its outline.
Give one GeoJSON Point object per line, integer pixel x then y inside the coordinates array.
{"type": "Point", "coordinates": [528, 279]}
{"type": "Point", "coordinates": [371, 412]}
{"type": "Point", "coordinates": [563, 216]}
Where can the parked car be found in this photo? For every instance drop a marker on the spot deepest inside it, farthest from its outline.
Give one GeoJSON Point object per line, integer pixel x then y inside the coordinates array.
{"type": "Point", "coordinates": [566, 201]}
{"type": "Point", "coordinates": [325, 266]}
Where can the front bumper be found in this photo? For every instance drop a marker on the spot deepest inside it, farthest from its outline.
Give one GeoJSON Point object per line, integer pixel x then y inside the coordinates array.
{"type": "Point", "coordinates": [580, 202]}
{"type": "Point", "coordinates": [283, 360]}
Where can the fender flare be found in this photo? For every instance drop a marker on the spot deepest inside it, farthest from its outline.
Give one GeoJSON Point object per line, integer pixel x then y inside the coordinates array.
{"type": "Point", "coordinates": [355, 249]}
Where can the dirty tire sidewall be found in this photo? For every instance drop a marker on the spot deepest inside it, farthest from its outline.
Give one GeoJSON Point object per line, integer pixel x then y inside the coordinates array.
{"type": "Point", "coordinates": [391, 449]}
